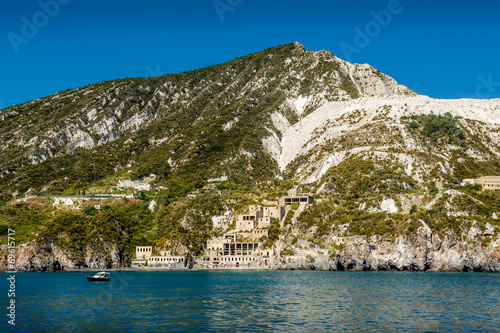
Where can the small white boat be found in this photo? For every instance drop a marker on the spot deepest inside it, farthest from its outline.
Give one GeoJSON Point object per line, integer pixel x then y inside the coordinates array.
{"type": "Point", "coordinates": [101, 276]}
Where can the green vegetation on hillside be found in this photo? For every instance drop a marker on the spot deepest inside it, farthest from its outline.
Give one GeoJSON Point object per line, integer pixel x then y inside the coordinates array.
{"type": "Point", "coordinates": [184, 129]}
{"type": "Point", "coordinates": [437, 126]}
{"type": "Point", "coordinates": [182, 136]}
{"type": "Point", "coordinates": [356, 176]}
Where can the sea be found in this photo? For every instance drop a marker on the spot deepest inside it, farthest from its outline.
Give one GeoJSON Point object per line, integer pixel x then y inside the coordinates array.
{"type": "Point", "coordinates": [252, 301]}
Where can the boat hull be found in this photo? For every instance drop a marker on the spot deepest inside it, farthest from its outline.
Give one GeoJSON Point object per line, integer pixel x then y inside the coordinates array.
{"type": "Point", "coordinates": [93, 279]}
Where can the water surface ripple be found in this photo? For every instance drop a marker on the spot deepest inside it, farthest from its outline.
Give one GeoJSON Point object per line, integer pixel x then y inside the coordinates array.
{"type": "Point", "coordinates": [257, 301]}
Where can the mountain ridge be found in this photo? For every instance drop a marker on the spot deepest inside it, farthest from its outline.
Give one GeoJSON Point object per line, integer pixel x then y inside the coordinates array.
{"type": "Point", "coordinates": [384, 163]}
{"type": "Point", "coordinates": [86, 123]}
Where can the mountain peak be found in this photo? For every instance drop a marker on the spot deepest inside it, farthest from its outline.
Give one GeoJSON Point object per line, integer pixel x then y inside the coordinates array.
{"type": "Point", "coordinates": [216, 116]}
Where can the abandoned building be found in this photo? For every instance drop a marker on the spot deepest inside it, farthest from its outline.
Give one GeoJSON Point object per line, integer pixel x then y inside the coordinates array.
{"type": "Point", "coordinates": [166, 261]}
{"type": "Point", "coordinates": [259, 217]}
{"type": "Point", "coordinates": [489, 182]}
{"type": "Point", "coordinates": [227, 250]}
{"type": "Point", "coordinates": [240, 247]}
{"type": "Point", "coordinates": [300, 198]}
{"type": "Point", "coordinates": [144, 257]}
{"type": "Point", "coordinates": [142, 253]}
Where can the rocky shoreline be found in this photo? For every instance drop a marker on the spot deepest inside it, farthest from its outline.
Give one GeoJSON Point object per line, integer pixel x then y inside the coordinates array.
{"type": "Point", "coordinates": [426, 251]}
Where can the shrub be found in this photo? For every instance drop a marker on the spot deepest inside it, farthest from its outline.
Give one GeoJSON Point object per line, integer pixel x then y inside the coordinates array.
{"type": "Point", "coordinates": [90, 211]}
{"type": "Point", "coordinates": [288, 218]}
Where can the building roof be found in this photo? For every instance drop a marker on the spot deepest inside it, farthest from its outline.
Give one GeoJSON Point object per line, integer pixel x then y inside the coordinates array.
{"type": "Point", "coordinates": [490, 178]}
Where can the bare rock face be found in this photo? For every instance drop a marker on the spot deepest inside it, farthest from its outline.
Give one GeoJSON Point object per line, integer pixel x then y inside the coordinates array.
{"type": "Point", "coordinates": [50, 257]}
{"type": "Point", "coordinates": [422, 253]}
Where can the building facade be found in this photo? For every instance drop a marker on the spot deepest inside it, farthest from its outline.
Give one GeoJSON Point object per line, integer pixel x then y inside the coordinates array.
{"type": "Point", "coordinates": [167, 261]}
{"type": "Point", "coordinates": [144, 252]}
{"type": "Point", "coordinates": [287, 200]}
{"type": "Point", "coordinates": [144, 257]}
{"type": "Point", "coordinates": [489, 182]}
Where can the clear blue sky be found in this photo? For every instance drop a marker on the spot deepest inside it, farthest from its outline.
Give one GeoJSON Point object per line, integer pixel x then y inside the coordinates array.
{"type": "Point", "coordinates": [437, 48]}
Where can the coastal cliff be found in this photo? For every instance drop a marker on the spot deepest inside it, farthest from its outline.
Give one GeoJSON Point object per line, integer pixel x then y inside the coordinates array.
{"type": "Point", "coordinates": [423, 252]}
{"type": "Point", "coordinates": [35, 257]}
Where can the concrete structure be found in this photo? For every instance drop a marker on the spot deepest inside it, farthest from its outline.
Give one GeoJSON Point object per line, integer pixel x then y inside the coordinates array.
{"type": "Point", "coordinates": [144, 256]}
{"type": "Point", "coordinates": [138, 263]}
{"type": "Point", "coordinates": [467, 182]}
{"type": "Point", "coordinates": [258, 233]}
{"type": "Point", "coordinates": [248, 222]}
{"type": "Point", "coordinates": [243, 247]}
{"type": "Point", "coordinates": [227, 250]}
{"type": "Point", "coordinates": [278, 212]}
{"type": "Point", "coordinates": [167, 261]}
{"type": "Point", "coordinates": [489, 182]}
{"type": "Point", "coordinates": [265, 222]}
{"type": "Point", "coordinates": [237, 261]}
{"type": "Point", "coordinates": [144, 252]}
{"type": "Point", "coordinates": [259, 217]}
{"type": "Point", "coordinates": [240, 248]}
{"type": "Point", "coordinates": [300, 198]}
{"type": "Point", "coordinates": [215, 244]}
{"type": "Point", "coordinates": [350, 240]}
{"type": "Point", "coordinates": [267, 253]}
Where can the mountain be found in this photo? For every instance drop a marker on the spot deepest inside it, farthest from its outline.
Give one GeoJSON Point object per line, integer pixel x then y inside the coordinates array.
{"type": "Point", "coordinates": [374, 152]}
{"type": "Point", "coordinates": [214, 118]}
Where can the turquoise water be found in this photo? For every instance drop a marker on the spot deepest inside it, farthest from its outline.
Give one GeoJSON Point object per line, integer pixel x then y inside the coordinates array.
{"type": "Point", "coordinates": [256, 301]}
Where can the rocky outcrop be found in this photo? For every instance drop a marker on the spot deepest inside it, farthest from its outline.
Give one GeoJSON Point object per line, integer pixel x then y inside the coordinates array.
{"type": "Point", "coordinates": [423, 251]}
{"type": "Point", "coordinates": [35, 256]}
{"type": "Point", "coordinates": [426, 251]}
